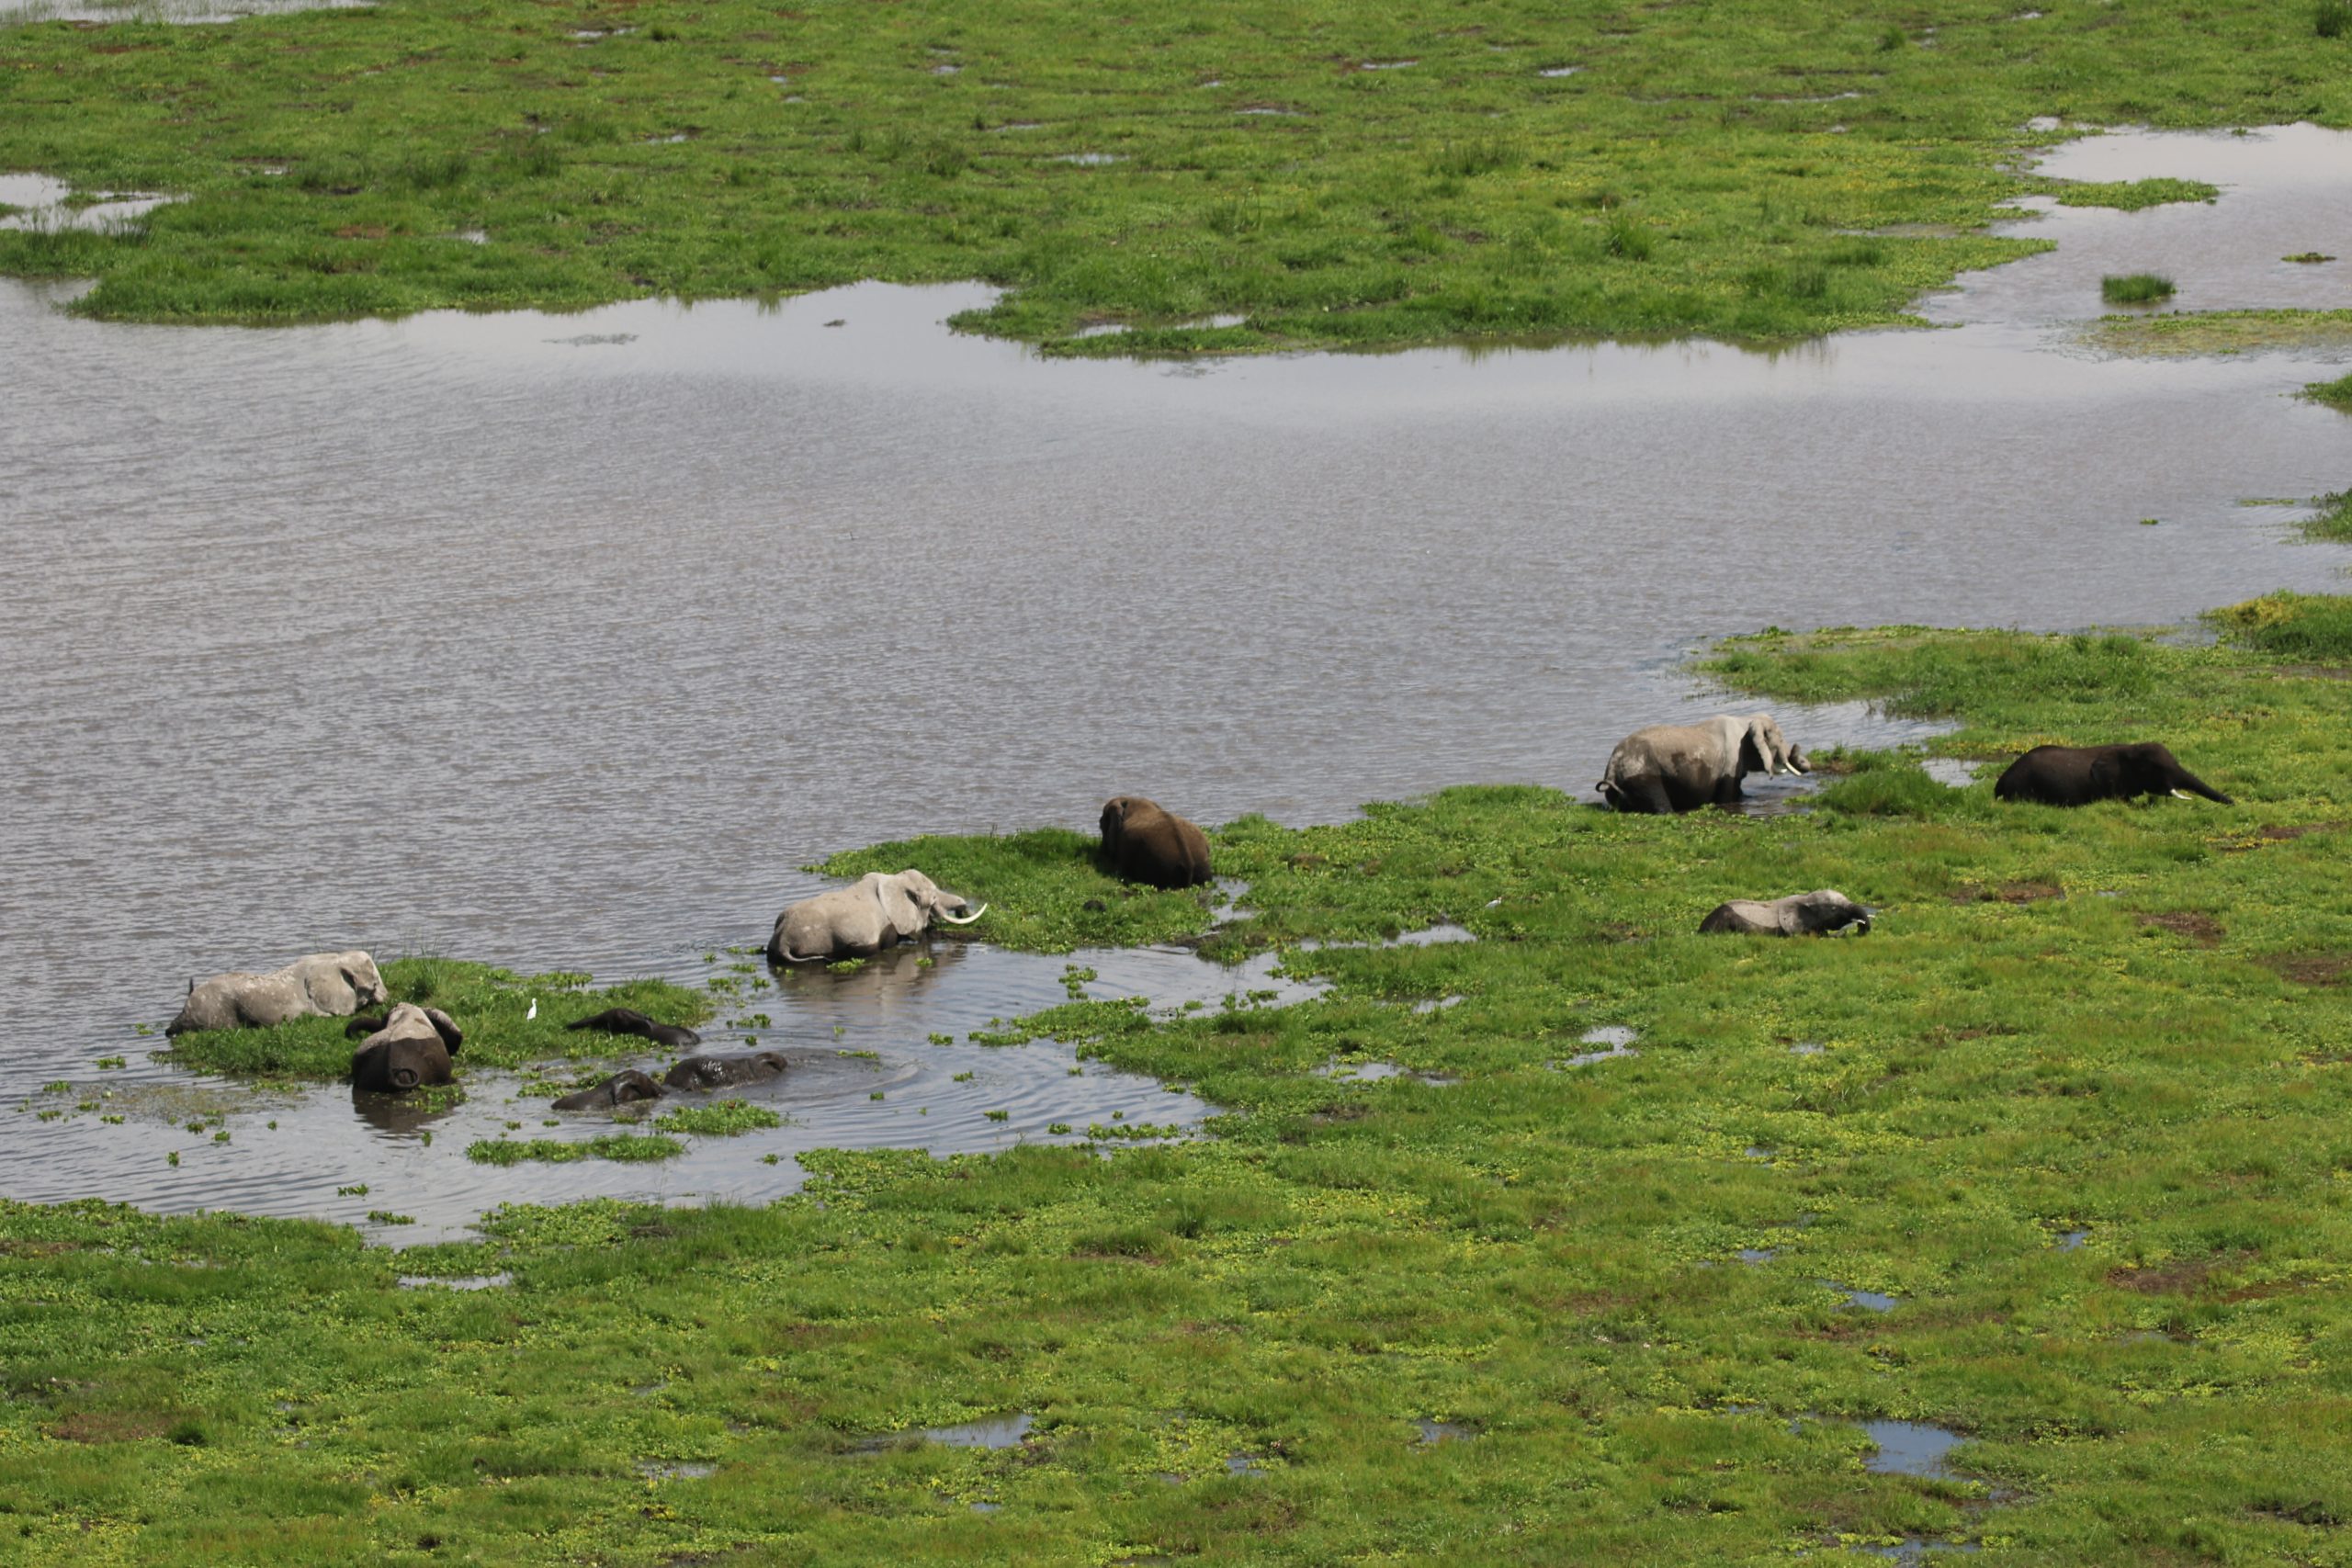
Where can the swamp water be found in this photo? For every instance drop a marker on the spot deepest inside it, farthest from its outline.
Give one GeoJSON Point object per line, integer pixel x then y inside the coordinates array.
{"type": "Point", "coordinates": [565, 641]}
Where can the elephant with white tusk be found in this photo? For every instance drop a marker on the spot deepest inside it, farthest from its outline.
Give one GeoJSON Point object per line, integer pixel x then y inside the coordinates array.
{"type": "Point", "coordinates": [1681, 767]}
{"type": "Point", "coordinates": [872, 913]}
{"type": "Point", "coordinates": [324, 985]}
{"type": "Point", "coordinates": [1818, 913]}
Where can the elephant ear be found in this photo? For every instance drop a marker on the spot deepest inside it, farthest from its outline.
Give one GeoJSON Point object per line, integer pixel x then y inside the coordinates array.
{"type": "Point", "coordinates": [1751, 752]}
{"type": "Point", "coordinates": [899, 906]}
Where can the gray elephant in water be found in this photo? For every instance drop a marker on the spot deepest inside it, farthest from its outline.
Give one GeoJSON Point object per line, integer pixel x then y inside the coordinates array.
{"type": "Point", "coordinates": [876, 911]}
{"type": "Point", "coordinates": [323, 984]}
{"type": "Point", "coordinates": [722, 1072]}
{"type": "Point", "coordinates": [1681, 767]}
{"type": "Point", "coordinates": [622, 1089]}
{"type": "Point", "coordinates": [413, 1048]}
{"type": "Point", "coordinates": [1818, 913]}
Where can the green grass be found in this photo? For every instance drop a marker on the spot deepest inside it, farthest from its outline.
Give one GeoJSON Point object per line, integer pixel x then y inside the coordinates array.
{"type": "Point", "coordinates": [2137, 288]}
{"type": "Point", "coordinates": [488, 1003]}
{"type": "Point", "coordinates": [2335, 394]}
{"type": "Point", "coordinates": [2130, 1019]}
{"type": "Point", "coordinates": [1690, 161]}
{"type": "Point", "coordinates": [2130, 196]}
{"type": "Point", "coordinates": [2223, 332]}
{"type": "Point", "coordinates": [2295, 626]}
{"type": "Point", "coordinates": [724, 1120]}
{"type": "Point", "coordinates": [627, 1148]}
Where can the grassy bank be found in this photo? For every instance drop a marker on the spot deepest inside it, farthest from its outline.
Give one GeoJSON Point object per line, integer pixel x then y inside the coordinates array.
{"type": "Point", "coordinates": [1337, 175]}
{"type": "Point", "coordinates": [509, 1020]}
{"type": "Point", "coordinates": [2077, 1106]}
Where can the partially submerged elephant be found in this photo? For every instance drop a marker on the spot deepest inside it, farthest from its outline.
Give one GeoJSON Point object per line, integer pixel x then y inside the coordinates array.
{"type": "Point", "coordinates": [1141, 842]}
{"type": "Point", "coordinates": [722, 1072]}
{"type": "Point", "coordinates": [2077, 775]}
{"type": "Point", "coordinates": [322, 985]}
{"type": "Point", "coordinates": [622, 1089]}
{"type": "Point", "coordinates": [1681, 767]}
{"type": "Point", "coordinates": [696, 1073]}
{"type": "Point", "coordinates": [628, 1020]}
{"type": "Point", "coordinates": [411, 1049]}
{"type": "Point", "coordinates": [872, 913]}
{"type": "Point", "coordinates": [1818, 913]}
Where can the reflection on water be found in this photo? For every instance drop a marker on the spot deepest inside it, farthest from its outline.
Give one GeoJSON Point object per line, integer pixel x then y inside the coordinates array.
{"type": "Point", "coordinates": [567, 641]}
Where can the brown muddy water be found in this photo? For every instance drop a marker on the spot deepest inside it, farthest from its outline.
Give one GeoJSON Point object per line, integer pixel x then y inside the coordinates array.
{"type": "Point", "coordinates": [565, 641]}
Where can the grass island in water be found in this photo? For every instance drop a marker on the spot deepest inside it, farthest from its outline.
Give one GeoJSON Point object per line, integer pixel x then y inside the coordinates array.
{"type": "Point", "coordinates": [1227, 177]}
{"type": "Point", "coordinates": [2054, 1161]}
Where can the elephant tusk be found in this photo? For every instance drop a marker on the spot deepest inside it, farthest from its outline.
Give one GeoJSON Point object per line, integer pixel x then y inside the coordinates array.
{"type": "Point", "coordinates": [2182, 795]}
{"type": "Point", "coordinates": [966, 920]}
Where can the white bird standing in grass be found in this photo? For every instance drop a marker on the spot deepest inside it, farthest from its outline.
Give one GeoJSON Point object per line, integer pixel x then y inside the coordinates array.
{"type": "Point", "coordinates": [533, 1012]}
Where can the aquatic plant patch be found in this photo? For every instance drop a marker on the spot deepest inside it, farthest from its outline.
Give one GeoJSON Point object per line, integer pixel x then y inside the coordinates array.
{"type": "Point", "coordinates": [724, 1120]}
{"type": "Point", "coordinates": [508, 1019]}
{"type": "Point", "coordinates": [626, 1149]}
{"type": "Point", "coordinates": [2335, 394]}
{"type": "Point", "coordinates": [2131, 196]}
{"type": "Point", "coordinates": [1217, 180]}
{"type": "Point", "coordinates": [2222, 332]}
{"type": "Point", "coordinates": [1698, 1302]}
{"type": "Point", "coordinates": [2135, 288]}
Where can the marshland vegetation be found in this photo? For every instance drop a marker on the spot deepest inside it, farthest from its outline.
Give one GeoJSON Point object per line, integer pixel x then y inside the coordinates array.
{"type": "Point", "coordinates": [1326, 175]}
{"type": "Point", "coordinates": [2067, 1124]}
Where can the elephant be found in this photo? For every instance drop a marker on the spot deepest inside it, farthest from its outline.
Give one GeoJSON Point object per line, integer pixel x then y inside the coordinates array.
{"type": "Point", "coordinates": [721, 1072]}
{"type": "Point", "coordinates": [1143, 843]}
{"type": "Point", "coordinates": [413, 1048]}
{"type": "Point", "coordinates": [1818, 913]}
{"type": "Point", "coordinates": [1681, 767]}
{"type": "Point", "coordinates": [621, 1088]}
{"type": "Point", "coordinates": [2077, 775]}
{"type": "Point", "coordinates": [628, 1020]}
{"type": "Point", "coordinates": [872, 913]}
{"type": "Point", "coordinates": [323, 984]}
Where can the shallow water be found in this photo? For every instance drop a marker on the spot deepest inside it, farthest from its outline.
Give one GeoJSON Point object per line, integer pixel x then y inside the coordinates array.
{"type": "Point", "coordinates": [566, 641]}
{"type": "Point", "coordinates": [1909, 1448]}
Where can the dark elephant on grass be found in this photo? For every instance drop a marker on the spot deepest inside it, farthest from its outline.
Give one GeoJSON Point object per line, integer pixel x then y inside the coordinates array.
{"type": "Point", "coordinates": [1143, 843]}
{"type": "Point", "coordinates": [2077, 775]}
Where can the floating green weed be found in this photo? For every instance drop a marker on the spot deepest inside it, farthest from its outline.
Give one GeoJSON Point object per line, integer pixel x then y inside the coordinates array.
{"type": "Point", "coordinates": [2136, 288]}
{"type": "Point", "coordinates": [621, 1146]}
{"type": "Point", "coordinates": [2223, 332]}
{"type": "Point", "coordinates": [2130, 196]}
{"type": "Point", "coordinates": [724, 1119]}
{"type": "Point", "coordinates": [2335, 394]}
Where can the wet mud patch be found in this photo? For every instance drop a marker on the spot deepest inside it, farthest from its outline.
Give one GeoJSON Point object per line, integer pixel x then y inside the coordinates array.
{"type": "Point", "coordinates": [2200, 928]}
{"type": "Point", "coordinates": [2005, 893]}
{"type": "Point", "coordinates": [2275, 833]}
{"type": "Point", "coordinates": [2311, 968]}
{"type": "Point", "coordinates": [2182, 1277]}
